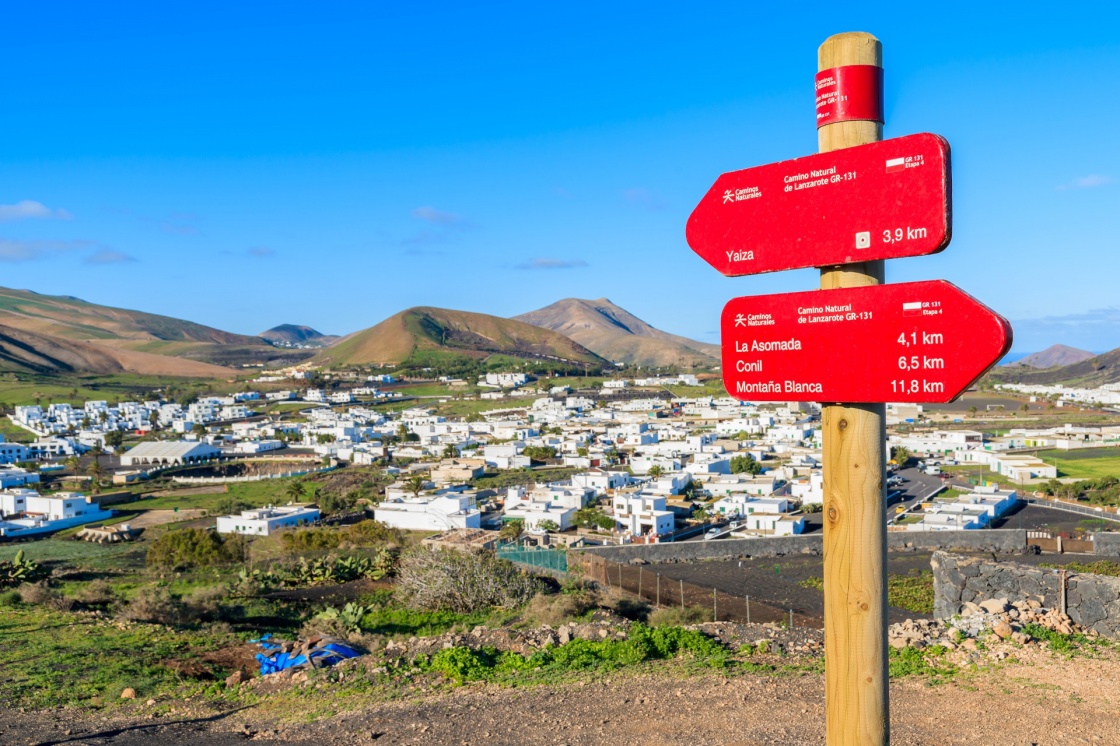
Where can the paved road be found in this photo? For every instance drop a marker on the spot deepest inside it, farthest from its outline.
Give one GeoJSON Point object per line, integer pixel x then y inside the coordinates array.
{"type": "Point", "coordinates": [918, 486]}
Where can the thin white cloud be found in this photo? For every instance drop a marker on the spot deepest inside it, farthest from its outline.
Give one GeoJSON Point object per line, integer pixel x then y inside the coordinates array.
{"type": "Point", "coordinates": [18, 250]}
{"type": "Point", "coordinates": [1096, 330]}
{"type": "Point", "coordinates": [1088, 182]}
{"type": "Point", "coordinates": [429, 214]}
{"type": "Point", "coordinates": [29, 209]}
{"type": "Point", "coordinates": [644, 198]}
{"type": "Point", "coordinates": [549, 263]}
{"type": "Point", "coordinates": [109, 256]}
{"type": "Point", "coordinates": [261, 252]}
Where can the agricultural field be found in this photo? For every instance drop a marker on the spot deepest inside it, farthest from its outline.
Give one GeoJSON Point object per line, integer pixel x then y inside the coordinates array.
{"type": "Point", "coordinates": [1088, 463]}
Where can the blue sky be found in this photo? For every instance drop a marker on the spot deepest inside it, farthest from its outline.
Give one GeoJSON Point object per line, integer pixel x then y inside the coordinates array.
{"type": "Point", "coordinates": [245, 165]}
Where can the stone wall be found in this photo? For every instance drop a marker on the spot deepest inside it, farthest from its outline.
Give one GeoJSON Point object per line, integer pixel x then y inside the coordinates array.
{"type": "Point", "coordinates": [1092, 601]}
{"type": "Point", "coordinates": [1001, 541]}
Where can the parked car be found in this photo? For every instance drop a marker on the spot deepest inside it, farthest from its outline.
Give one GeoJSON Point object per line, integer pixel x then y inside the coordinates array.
{"type": "Point", "coordinates": [712, 533]}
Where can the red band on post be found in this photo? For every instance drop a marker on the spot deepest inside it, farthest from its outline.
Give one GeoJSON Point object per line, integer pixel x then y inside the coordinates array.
{"type": "Point", "coordinates": [849, 93]}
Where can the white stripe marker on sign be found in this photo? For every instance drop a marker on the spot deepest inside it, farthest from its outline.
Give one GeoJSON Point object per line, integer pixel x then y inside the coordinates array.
{"type": "Point", "coordinates": [895, 164]}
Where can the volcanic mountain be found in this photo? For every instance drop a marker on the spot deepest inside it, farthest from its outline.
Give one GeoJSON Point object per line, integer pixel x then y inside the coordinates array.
{"type": "Point", "coordinates": [416, 331]}
{"type": "Point", "coordinates": [293, 334]}
{"type": "Point", "coordinates": [1054, 355]}
{"type": "Point", "coordinates": [65, 318]}
{"type": "Point", "coordinates": [616, 334]}
{"type": "Point", "coordinates": [1090, 373]}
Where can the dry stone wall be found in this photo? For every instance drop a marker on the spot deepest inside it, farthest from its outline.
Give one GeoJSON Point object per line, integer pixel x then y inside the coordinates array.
{"type": "Point", "coordinates": [962, 583]}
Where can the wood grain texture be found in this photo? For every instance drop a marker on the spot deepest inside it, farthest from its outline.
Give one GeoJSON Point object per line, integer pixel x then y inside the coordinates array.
{"type": "Point", "coordinates": [855, 537]}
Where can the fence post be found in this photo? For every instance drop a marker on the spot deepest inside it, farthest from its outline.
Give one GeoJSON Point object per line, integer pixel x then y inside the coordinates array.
{"type": "Point", "coordinates": [715, 611]}
{"type": "Point", "coordinates": [748, 608]}
{"type": "Point", "coordinates": [682, 595]}
{"type": "Point", "coordinates": [620, 576]}
{"type": "Point", "coordinates": [658, 589]}
{"type": "Point", "coordinates": [639, 581]}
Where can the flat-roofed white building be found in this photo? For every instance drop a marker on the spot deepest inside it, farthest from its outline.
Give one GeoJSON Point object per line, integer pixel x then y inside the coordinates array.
{"type": "Point", "coordinates": [642, 514]}
{"type": "Point", "coordinates": [264, 521]}
{"type": "Point", "coordinates": [429, 512]}
{"type": "Point", "coordinates": [169, 453]}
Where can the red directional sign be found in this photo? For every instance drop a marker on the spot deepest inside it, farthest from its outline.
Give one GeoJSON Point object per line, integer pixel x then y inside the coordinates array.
{"type": "Point", "coordinates": [911, 342]}
{"type": "Point", "coordinates": [884, 200]}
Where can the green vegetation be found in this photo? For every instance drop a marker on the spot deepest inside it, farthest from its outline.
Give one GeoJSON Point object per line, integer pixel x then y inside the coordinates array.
{"type": "Point", "coordinates": [745, 464]}
{"type": "Point", "coordinates": [1067, 645]}
{"type": "Point", "coordinates": [460, 664]}
{"type": "Point", "coordinates": [1099, 567]}
{"type": "Point", "coordinates": [18, 570]}
{"type": "Point", "coordinates": [1088, 463]}
{"type": "Point", "coordinates": [912, 592]}
{"type": "Point", "coordinates": [195, 547]}
{"type": "Point", "coordinates": [1100, 491]}
{"type": "Point", "coordinates": [927, 662]}
{"type": "Point", "coordinates": [53, 658]}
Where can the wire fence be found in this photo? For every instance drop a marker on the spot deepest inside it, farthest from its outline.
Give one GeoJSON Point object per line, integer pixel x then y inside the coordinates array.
{"type": "Point", "coordinates": [548, 559]}
{"type": "Point", "coordinates": [663, 591]}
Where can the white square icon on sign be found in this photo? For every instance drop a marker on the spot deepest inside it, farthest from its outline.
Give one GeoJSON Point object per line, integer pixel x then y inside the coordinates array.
{"type": "Point", "coordinates": [863, 240]}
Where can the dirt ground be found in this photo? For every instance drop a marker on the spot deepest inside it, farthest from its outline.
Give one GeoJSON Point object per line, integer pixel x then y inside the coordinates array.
{"type": "Point", "coordinates": [1047, 700]}
{"type": "Point", "coordinates": [150, 518]}
{"type": "Point", "coordinates": [774, 581]}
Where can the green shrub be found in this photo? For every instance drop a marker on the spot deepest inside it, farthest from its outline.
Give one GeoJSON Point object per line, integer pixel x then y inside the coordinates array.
{"type": "Point", "coordinates": [195, 547]}
{"type": "Point", "coordinates": [460, 581]}
{"type": "Point", "coordinates": [153, 604]}
{"type": "Point", "coordinates": [676, 616]}
{"type": "Point", "coordinates": [9, 598]}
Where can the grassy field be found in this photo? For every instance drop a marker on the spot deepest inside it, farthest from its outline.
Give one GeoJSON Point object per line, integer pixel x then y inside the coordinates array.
{"type": "Point", "coordinates": [1090, 463]}
{"type": "Point", "coordinates": [13, 433]}
{"type": "Point", "coordinates": [455, 408]}
{"type": "Point", "coordinates": [23, 388]}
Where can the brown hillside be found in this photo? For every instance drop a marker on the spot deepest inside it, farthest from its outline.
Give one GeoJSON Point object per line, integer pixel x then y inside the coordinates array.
{"type": "Point", "coordinates": [616, 334]}
{"type": "Point", "coordinates": [396, 338]}
{"type": "Point", "coordinates": [72, 318]}
{"type": "Point", "coordinates": [1054, 355]}
{"type": "Point", "coordinates": [41, 353]}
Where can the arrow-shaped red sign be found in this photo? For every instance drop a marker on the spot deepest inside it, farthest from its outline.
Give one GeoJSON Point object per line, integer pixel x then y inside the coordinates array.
{"type": "Point", "coordinates": [884, 200]}
{"type": "Point", "coordinates": [911, 342]}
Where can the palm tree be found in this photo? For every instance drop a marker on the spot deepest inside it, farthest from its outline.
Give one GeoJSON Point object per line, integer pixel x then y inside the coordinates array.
{"type": "Point", "coordinates": [72, 463]}
{"type": "Point", "coordinates": [655, 471]}
{"type": "Point", "coordinates": [294, 492]}
{"type": "Point", "coordinates": [511, 530]}
{"type": "Point", "coordinates": [416, 484]}
{"type": "Point", "coordinates": [95, 470]}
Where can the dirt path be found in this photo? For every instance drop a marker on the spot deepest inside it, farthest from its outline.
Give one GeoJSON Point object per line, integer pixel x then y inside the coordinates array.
{"type": "Point", "coordinates": [1046, 701]}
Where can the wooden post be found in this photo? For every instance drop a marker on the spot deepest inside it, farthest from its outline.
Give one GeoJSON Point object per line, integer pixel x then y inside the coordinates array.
{"type": "Point", "coordinates": [639, 581]}
{"type": "Point", "coordinates": [855, 535]}
{"type": "Point", "coordinates": [748, 608]}
{"type": "Point", "coordinates": [659, 590]}
{"type": "Point", "coordinates": [715, 612]}
{"type": "Point", "coordinates": [682, 594]}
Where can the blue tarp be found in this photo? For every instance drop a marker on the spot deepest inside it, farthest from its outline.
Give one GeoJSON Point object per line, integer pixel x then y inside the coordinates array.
{"type": "Point", "coordinates": [319, 654]}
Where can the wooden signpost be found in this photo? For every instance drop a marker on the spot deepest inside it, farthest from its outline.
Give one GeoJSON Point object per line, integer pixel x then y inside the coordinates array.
{"type": "Point", "coordinates": [859, 201]}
